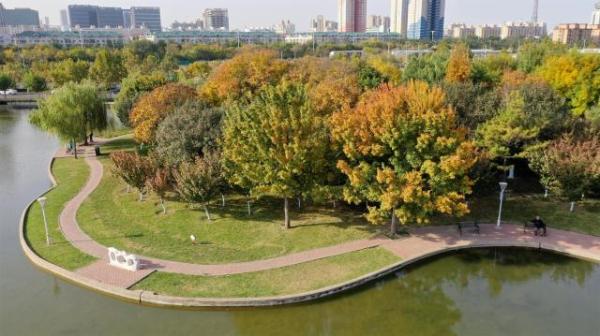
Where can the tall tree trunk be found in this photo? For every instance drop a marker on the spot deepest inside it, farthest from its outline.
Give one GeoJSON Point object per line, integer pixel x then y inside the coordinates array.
{"type": "Point", "coordinates": [299, 203]}
{"type": "Point", "coordinates": [572, 209]}
{"type": "Point", "coordinates": [394, 225]}
{"type": "Point", "coordinates": [207, 213]}
{"type": "Point", "coordinates": [223, 199]}
{"type": "Point", "coordinates": [75, 148]}
{"type": "Point", "coordinates": [141, 194]}
{"type": "Point", "coordinates": [286, 210]}
{"type": "Point", "coordinates": [249, 209]}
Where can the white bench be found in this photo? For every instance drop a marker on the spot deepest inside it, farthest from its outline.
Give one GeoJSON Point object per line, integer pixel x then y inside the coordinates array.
{"type": "Point", "coordinates": [122, 259]}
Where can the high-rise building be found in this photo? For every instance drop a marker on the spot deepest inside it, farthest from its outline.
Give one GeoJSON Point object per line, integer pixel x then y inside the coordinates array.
{"type": "Point", "coordinates": [487, 31]}
{"type": "Point", "coordinates": [399, 17]}
{"type": "Point", "coordinates": [322, 25]}
{"type": "Point", "coordinates": [111, 17]}
{"type": "Point", "coordinates": [425, 19]}
{"type": "Point", "coordinates": [461, 31]}
{"type": "Point", "coordinates": [148, 17]}
{"type": "Point", "coordinates": [596, 14]}
{"type": "Point", "coordinates": [378, 24]}
{"type": "Point", "coordinates": [83, 16]}
{"type": "Point", "coordinates": [285, 27]}
{"type": "Point", "coordinates": [64, 19]}
{"type": "Point", "coordinates": [576, 33]}
{"type": "Point", "coordinates": [216, 19]}
{"type": "Point", "coordinates": [127, 18]}
{"type": "Point", "coordinates": [523, 30]}
{"type": "Point", "coordinates": [18, 17]}
{"type": "Point", "coordinates": [352, 15]}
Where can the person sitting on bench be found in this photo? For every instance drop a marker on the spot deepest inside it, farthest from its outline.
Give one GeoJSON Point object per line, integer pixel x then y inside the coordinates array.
{"type": "Point", "coordinates": [539, 226]}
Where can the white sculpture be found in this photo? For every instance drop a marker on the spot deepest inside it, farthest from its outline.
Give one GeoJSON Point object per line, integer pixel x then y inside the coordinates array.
{"type": "Point", "coordinates": [122, 259]}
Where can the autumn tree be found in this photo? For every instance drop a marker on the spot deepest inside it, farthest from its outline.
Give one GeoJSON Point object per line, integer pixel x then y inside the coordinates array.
{"type": "Point", "coordinates": [404, 155]}
{"type": "Point", "coordinates": [132, 87]}
{"type": "Point", "coordinates": [331, 84]}
{"type": "Point", "coordinates": [569, 166]}
{"type": "Point", "coordinates": [159, 182]}
{"type": "Point", "coordinates": [459, 64]}
{"type": "Point", "coordinates": [189, 132]}
{"type": "Point", "coordinates": [276, 145]}
{"type": "Point", "coordinates": [72, 112]}
{"type": "Point", "coordinates": [108, 68]}
{"type": "Point", "coordinates": [153, 107]}
{"type": "Point", "coordinates": [200, 181]}
{"type": "Point", "coordinates": [133, 169]}
{"type": "Point", "coordinates": [576, 77]}
{"type": "Point", "coordinates": [246, 73]}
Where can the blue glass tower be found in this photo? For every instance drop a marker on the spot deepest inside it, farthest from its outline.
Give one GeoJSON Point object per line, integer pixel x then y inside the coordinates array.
{"type": "Point", "coordinates": [425, 19]}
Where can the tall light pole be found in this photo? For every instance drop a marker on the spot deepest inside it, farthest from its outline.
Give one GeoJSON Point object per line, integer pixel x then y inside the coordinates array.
{"type": "Point", "coordinates": [503, 186]}
{"type": "Point", "coordinates": [42, 202]}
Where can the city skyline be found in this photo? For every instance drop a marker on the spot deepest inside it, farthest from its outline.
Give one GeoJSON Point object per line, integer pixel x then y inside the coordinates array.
{"type": "Point", "coordinates": [467, 11]}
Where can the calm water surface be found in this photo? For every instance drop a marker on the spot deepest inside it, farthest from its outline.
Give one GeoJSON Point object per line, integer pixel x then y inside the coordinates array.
{"type": "Point", "coordinates": [481, 292]}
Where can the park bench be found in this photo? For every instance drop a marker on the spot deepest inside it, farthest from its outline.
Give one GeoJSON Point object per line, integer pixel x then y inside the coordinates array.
{"type": "Point", "coordinates": [473, 225]}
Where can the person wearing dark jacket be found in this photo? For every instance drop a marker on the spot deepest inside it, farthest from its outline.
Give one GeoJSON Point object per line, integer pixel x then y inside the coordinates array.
{"type": "Point", "coordinates": [540, 226]}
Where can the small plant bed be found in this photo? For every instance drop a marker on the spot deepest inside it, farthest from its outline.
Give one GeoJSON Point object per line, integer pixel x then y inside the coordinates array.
{"type": "Point", "coordinates": [282, 281]}
{"type": "Point", "coordinates": [71, 176]}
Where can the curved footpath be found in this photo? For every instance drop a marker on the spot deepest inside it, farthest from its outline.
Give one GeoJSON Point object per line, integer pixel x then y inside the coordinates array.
{"type": "Point", "coordinates": [421, 243]}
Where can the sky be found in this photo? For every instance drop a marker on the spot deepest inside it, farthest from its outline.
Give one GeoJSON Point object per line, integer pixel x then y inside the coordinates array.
{"type": "Point", "coordinates": [263, 13]}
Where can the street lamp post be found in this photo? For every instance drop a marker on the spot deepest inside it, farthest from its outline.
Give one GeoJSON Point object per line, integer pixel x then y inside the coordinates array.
{"type": "Point", "coordinates": [503, 186]}
{"type": "Point", "coordinates": [42, 202]}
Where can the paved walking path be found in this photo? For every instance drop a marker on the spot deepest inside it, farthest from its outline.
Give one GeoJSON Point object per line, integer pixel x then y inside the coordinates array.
{"type": "Point", "coordinates": [422, 242]}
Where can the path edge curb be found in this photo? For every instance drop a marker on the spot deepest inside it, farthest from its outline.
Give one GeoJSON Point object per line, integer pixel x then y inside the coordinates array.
{"type": "Point", "coordinates": [149, 298]}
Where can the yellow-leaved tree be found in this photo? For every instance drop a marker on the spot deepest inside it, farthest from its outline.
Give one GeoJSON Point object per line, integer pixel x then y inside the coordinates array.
{"type": "Point", "coordinates": [459, 65]}
{"type": "Point", "coordinates": [405, 155]}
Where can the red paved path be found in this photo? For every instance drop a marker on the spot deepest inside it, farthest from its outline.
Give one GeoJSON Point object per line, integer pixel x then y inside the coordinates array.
{"type": "Point", "coordinates": [421, 242]}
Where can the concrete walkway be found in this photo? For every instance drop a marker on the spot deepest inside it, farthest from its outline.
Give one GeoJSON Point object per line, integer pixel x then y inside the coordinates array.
{"type": "Point", "coordinates": [422, 242]}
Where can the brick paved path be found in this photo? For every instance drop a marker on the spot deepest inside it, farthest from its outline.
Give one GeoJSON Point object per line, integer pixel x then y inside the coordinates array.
{"type": "Point", "coordinates": [421, 242]}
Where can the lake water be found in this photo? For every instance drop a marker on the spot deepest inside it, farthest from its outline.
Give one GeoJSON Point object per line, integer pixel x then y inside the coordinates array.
{"type": "Point", "coordinates": [478, 292]}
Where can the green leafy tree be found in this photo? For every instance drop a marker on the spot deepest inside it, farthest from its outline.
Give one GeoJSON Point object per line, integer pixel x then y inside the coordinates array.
{"type": "Point", "coordinates": [34, 83]}
{"type": "Point", "coordinates": [474, 103]}
{"type": "Point", "coordinates": [427, 68]}
{"type": "Point", "coordinates": [533, 54]}
{"type": "Point", "coordinates": [189, 132]}
{"type": "Point", "coordinates": [277, 144]}
{"type": "Point", "coordinates": [107, 69]}
{"type": "Point", "coordinates": [200, 181]}
{"type": "Point", "coordinates": [6, 82]}
{"type": "Point", "coordinates": [531, 115]}
{"type": "Point", "coordinates": [404, 155]}
{"type": "Point", "coordinates": [69, 71]}
{"type": "Point", "coordinates": [72, 112]}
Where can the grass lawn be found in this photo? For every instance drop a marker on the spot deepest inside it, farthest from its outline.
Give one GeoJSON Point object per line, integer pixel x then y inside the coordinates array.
{"type": "Point", "coordinates": [519, 208]}
{"type": "Point", "coordinates": [287, 280]}
{"type": "Point", "coordinates": [71, 175]}
{"type": "Point", "coordinates": [116, 218]}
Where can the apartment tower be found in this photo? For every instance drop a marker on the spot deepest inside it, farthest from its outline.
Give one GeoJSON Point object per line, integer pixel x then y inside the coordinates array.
{"type": "Point", "coordinates": [352, 16]}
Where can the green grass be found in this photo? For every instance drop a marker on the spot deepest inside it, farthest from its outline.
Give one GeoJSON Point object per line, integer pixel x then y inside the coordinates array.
{"type": "Point", "coordinates": [519, 208]}
{"type": "Point", "coordinates": [287, 280]}
{"type": "Point", "coordinates": [71, 176]}
{"type": "Point", "coordinates": [114, 132]}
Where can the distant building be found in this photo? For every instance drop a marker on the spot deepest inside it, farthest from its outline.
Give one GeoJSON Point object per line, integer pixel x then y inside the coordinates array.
{"type": "Point", "coordinates": [596, 14]}
{"type": "Point", "coordinates": [83, 16]}
{"type": "Point", "coordinates": [399, 17]}
{"type": "Point", "coordinates": [352, 16]}
{"type": "Point", "coordinates": [377, 23]}
{"type": "Point", "coordinates": [127, 18]}
{"type": "Point", "coordinates": [196, 25]}
{"type": "Point", "coordinates": [18, 17]}
{"type": "Point", "coordinates": [321, 25]}
{"type": "Point", "coordinates": [148, 17]}
{"type": "Point", "coordinates": [111, 17]}
{"type": "Point", "coordinates": [285, 27]}
{"type": "Point", "coordinates": [461, 31]}
{"type": "Point", "coordinates": [64, 19]}
{"type": "Point", "coordinates": [425, 19]}
{"type": "Point", "coordinates": [216, 19]}
{"type": "Point", "coordinates": [523, 30]}
{"type": "Point", "coordinates": [575, 33]}
{"type": "Point", "coordinates": [487, 31]}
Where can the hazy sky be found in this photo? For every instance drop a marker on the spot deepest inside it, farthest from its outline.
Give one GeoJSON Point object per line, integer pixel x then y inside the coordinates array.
{"type": "Point", "coordinates": [244, 13]}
